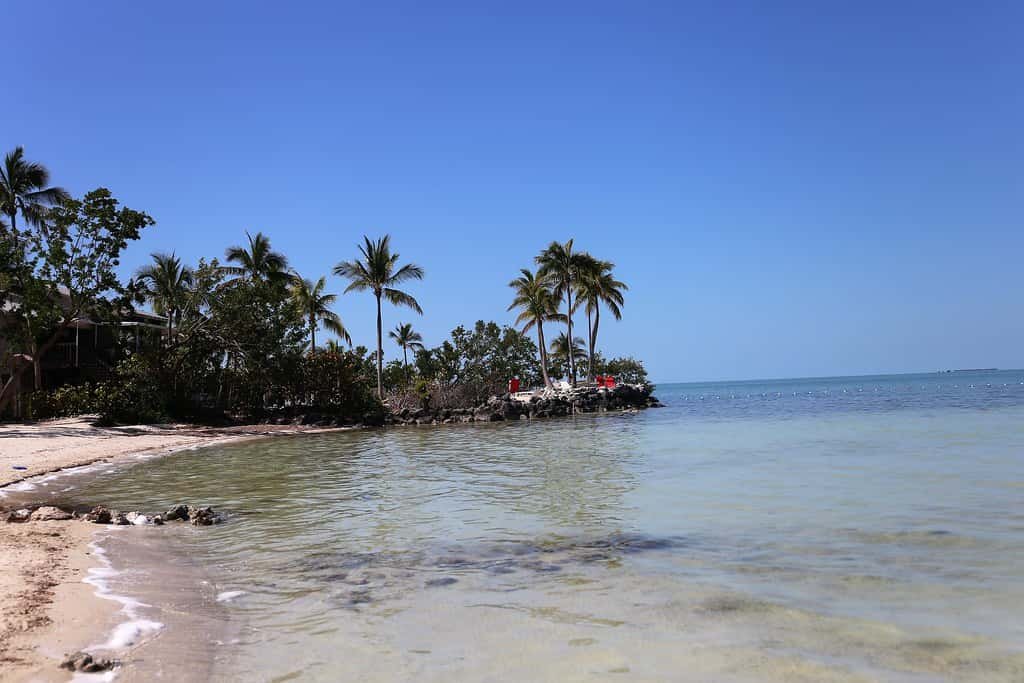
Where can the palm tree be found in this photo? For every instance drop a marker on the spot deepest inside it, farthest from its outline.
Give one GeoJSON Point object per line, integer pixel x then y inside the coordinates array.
{"type": "Point", "coordinates": [166, 283]}
{"type": "Point", "coordinates": [560, 349]}
{"type": "Point", "coordinates": [332, 346]}
{"type": "Point", "coordinates": [539, 305]}
{"type": "Point", "coordinates": [315, 307]}
{"type": "Point", "coordinates": [257, 261]}
{"type": "Point", "coordinates": [405, 337]}
{"type": "Point", "coordinates": [377, 272]}
{"type": "Point", "coordinates": [23, 188]}
{"type": "Point", "coordinates": [598, 286]}
{"type": "Point", "coordinates": [562, 267]}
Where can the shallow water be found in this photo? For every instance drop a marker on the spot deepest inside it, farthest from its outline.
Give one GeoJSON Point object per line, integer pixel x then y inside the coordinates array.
{"type": "Point", "coordinates": [840, 529]}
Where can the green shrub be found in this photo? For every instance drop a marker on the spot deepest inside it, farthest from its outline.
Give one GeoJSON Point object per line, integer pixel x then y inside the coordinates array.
{"type": "Point", "coordinates": [133, 396]}
{"type": "Point", "coordinates": [66, 401]}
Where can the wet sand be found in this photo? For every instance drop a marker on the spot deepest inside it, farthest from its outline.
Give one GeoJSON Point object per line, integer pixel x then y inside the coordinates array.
{"type": "Point", "coordinates": [46, 610]}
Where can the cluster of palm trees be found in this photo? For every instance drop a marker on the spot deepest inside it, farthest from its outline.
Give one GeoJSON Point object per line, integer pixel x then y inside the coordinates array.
{"type": "Point", "coordinates": [575, 279]}
{"type": "Point", "coordinates": [170, 287]}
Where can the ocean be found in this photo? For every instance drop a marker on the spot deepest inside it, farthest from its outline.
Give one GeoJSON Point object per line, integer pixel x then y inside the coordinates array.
{"type": "Point", "coordinates": [836, 529]}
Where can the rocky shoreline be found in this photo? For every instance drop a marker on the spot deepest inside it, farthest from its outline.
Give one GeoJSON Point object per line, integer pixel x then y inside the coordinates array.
{"type": "Point", "coordinates": [193, 514]}
{"type": "Point", "coordinates": [544, 404]}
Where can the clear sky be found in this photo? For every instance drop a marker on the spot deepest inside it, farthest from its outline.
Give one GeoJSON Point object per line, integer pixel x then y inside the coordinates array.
{"type": "Point", "coordinates": [789, 188]}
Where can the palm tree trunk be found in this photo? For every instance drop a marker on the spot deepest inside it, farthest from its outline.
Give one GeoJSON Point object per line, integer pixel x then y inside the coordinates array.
{"type": "Point", "coordinates": [590, 355]}
{"type": "Point", "coordinates": [312, 334]}
{"type": "Point", "coordinates": [380, 352]}
{"type": "Point", "coordinates": [568, 318]}
{"type": "Point", "coordinates": [593, 332]}
{"type": "Point", "coordinates": [543, 354]}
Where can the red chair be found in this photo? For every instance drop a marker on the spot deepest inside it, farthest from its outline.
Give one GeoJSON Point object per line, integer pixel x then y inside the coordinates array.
{"type": "Point", "coordinates": [600, 380]}
{"type": "Point", "coordinates": [609, 382]}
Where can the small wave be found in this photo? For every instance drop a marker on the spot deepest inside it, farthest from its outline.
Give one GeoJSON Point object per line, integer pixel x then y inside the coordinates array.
{"type": "Point", "coordinates": [135, 629]}
{"type": "Point", "coordinates": [228, 596]}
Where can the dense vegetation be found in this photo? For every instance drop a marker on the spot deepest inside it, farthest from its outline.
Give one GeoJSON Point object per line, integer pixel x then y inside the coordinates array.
{"type": "Point", "coordinates": [239, 336]}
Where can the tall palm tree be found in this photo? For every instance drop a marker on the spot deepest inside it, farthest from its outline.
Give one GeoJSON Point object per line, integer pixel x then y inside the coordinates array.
{"type": "Point", "coordinates": [166, 283]}
{"type": "Point", "coordinates": [560, 348]}
{"type": "Point", "coordinates": [257, 261]}
{"type": "Point", "coordinates": [407, 338]}
{"type": "Point", "coordinates": [538, 305]}
{"type": "Point", "coordinates": [378, 273]}
{"type": "Point", "coordinates": [23, 189]}
{"type": "Point", "coordinates": [562, 266]}
{"type": "Point", "coordinates": [598, 286]}
{"type": "Point", "coordinates": [316, 308]}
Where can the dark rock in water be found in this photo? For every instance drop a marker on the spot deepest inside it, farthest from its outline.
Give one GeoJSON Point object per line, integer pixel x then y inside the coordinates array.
{"type": "Point", "coordinates": [84, 662]}
{"type": "Point", "coordinates": [202, 516]}
{"type": "Point", "coordinates": [119, 518]}
{"type": "Point", "coordinates": [99, 515]}
{"type": "Point", "coordinates": [158, 520]}
{"type": "Point", "coordinates": [446, 581]}
{"type": "Point", "coordinates": [179, 511]}
{"type": "Point", "coordinates": [49, 513]}
{"type": "Point", "coordinates": [18, 516]}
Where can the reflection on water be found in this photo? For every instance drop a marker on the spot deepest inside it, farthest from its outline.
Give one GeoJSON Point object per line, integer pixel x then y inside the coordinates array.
{"type": "Point", "coordinates": [842, 530]}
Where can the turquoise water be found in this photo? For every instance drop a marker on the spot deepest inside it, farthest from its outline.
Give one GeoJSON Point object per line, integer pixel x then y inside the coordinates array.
{"type": "Point", "coordinates": [867, 528]}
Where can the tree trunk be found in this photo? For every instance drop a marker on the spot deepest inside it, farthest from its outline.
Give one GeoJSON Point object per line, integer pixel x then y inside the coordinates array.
{"type": "Point", "coordinates": [6, 396]}
{"type": "Point", "coordinates": [590, 338]}
{"type": "Point", "coordinates": [380, 352]}
{"type": "Point", "coordinates": [593, 332]}
{"type": "Point", "coordinates": [568, 318]}
{"type": "Point", "coordinates": [312, 335]}
{"type": "Point", "coordinates": [543, 354]}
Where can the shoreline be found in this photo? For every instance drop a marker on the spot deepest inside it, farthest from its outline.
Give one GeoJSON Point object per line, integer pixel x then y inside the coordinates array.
{"type": "Point", "coordinates": [51, 600]}
{"type": "Point", "coordinates": [68, 594]}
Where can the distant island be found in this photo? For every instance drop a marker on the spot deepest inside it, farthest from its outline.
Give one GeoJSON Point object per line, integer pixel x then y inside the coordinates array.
{"type": "Point", "coordinates": [970, 370]}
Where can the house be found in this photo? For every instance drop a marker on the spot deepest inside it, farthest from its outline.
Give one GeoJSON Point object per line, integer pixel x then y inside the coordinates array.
{"type": "Point", "coordinates": [87, 350]}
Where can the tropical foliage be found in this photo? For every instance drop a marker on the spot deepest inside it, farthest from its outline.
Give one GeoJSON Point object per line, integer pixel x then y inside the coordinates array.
{"type": "Point", "coordinates": [378, 272]}
{"type": "Point", "coordinates": [239, 336]}
{"type": "Point", "coordinates": [315, 306]}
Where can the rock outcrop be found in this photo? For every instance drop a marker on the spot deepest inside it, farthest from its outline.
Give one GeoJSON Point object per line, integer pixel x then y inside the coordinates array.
{"type": "Point", "coordinates": [548, 403]}
{"type": "Point", "coordinates": [83, 662]}
{"type": "Point", "coordinates": [48, 513]}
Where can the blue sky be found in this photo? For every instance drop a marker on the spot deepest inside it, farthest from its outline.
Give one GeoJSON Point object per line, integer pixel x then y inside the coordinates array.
{"type": "Point", "coordinates": [790, 189]}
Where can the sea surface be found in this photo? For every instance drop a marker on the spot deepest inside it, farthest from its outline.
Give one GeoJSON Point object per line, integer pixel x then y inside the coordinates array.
{"type": "Point", "coordinates": [839, 529]}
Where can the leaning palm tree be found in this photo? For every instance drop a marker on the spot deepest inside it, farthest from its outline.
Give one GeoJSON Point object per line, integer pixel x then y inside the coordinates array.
{"type": "Point", "coordinates": [315, 307]}
{"type": "Point", "coordinates": [166, 283]}
{"type": "Point", "coordinates": [23, 189]}
{"type": "Point", "coordinates": [598, 286]}
{"type": "Point", "coordinates": [407, 338]}
{"type": "Point", "coordinates": [257, 261]}
{"type": "Point", "coordinates": [538, 305]}
{"type": "Point", "coordinates": [377, 272]}
{"type": "Point", "coordinates": [562, 267]}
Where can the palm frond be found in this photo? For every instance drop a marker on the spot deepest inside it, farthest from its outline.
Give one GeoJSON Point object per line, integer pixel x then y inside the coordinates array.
{"type": "Point", "coordinates": [400, 298]}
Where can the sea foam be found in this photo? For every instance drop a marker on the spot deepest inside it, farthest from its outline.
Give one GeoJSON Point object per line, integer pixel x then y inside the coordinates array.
{"type": "Point", "coordinates": [135, 629]}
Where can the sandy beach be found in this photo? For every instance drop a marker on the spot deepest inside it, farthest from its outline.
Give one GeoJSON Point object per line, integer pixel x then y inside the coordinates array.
{"type": "Point", "coordinates": [46, 611]}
